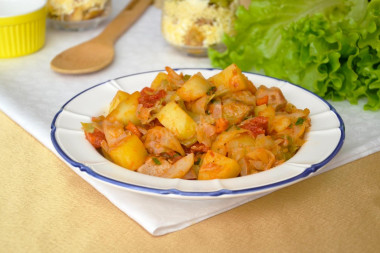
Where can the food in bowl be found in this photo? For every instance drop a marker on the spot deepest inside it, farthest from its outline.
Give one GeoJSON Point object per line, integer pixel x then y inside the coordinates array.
{"type": "Point", "coordinates": [192, 127]}
{"type": "Point", "coordinates": [193, 26]}
{"type": "Point", "coordinates": [76, 10]}
{"type": "Point", "coordinates": [78, 15]}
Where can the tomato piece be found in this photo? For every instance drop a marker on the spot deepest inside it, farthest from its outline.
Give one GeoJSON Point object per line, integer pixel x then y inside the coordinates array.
{"type": "Point", "coordinates": [95, 138]}
{"type": "Point", "coordinates": [256, 125]}
{"type": "Point", "coordinates": [262, 100]}
{"type": "Point", "coordinates": [197, 148]}
{"type": "Point", "coordinates": [149, 97]}
{"type": "Point", "coordinates": [221, 124]}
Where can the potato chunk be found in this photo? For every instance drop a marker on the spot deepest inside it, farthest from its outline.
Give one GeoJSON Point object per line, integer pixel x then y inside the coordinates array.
{"type": "Point", "coordinates": [126, 110]}
{"type": "Point", "coordinates": [280, 123]}
{"type": "Point", "coordinates": [120, 96]}
{"type": "Point", "coordinates": [235, 111]}
{"type": "Point", "coordinates": [194, 88]}
{"type": "Point", "coordinates": [157, 82]}
{"type": "Point", "coordinates": [232, 79]}
{"type": "Point", "coordinates": [130, 153]}
{"type": "Point", "coordinates": [174, 118]}
{"type": "Point", "coordinates": [274, 95]}
{"type": "Point", "coordinates": [217, 166]}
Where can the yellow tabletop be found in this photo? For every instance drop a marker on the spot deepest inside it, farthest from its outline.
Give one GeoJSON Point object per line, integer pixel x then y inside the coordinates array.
{"type": "Point", "coordinates": [46, 207]}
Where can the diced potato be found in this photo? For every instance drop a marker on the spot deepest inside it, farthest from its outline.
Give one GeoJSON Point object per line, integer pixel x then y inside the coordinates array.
{"type": "Point", "coordinates": [240, 145]}
{"type": "Point", "coordinates": [158, 80]}
{"type": "Point", "coordinates": [126, 110]}
{"type": "Point", "coordinates": [120, 96]}
{"type": "Point", "coordinates": [235, 112]}
{"type": "Point", "coordinates": [272, 96]}
{"type": "Point", "coordinates": [196, 87]}
{"type": "Point", "coordinates": [280, 123]}
{"type": "Point", "coordinates": [233, 79]}
{"type": "Point", "coordinates": [241, 140]}
{"type": "Point", "coordinates": [268, 112]}
{"type": "Point", "coordinates": [215, 166]}
{"type": "Point", "coordinates": [130, 153]}
{"type": "Point", "coordinates": [177, 121]}
{"type": "Point", "coordinates": [260, 108]}
{"type": "Point", "coordinates": [219, 145]}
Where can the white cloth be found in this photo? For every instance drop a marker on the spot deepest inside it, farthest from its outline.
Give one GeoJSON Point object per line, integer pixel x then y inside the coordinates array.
{"type": "Point", "coordinates": [31, 94]}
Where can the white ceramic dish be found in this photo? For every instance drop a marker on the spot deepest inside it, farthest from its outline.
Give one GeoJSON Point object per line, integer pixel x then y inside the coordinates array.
{"type": "Point", "coordinates": [324, 140]}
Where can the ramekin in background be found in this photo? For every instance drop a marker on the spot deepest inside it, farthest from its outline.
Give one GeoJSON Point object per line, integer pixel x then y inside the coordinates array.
{"type": "Point", "coordinates": [22, 27]}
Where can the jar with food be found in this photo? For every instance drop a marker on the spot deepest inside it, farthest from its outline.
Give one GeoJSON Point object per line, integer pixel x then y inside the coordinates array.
{"type": "Point", "coordinates": [78, 15]}
{"type": "Point", "coordinates": [194, 25]}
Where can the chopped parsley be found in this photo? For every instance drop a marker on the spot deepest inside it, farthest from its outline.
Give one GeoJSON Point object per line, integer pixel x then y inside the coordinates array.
{"type": "Point", "coordinates": [156, 161]}
{"type": "Point", "coordinates": [300, 121]}
{"type": "Point", "coordinates": [211, 90]}
{"type": "Point", "coordinates": [186, 77]}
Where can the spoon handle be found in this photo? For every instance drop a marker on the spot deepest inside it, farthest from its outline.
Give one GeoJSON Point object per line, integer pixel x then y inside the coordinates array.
{"type": "Point", "coordinates": [124, 20]}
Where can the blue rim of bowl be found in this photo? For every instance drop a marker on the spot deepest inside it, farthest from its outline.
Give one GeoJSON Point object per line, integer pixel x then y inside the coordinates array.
{"type": "Point", "coordinates": [312, 169]}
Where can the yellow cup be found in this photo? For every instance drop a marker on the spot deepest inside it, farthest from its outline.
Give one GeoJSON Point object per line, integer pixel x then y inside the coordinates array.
{"type": "Point", "coordinates": [22, 27]}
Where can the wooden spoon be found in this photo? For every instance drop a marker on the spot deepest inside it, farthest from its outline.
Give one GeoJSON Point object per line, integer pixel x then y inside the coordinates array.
{"type": "Point", "coordinates": [99, 52]}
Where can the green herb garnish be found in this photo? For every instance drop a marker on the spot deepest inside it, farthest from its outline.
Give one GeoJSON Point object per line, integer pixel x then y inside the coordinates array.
{"type": "Point", "coordinates": [211, 90]}
{"type": "Point", "coordinates": [186, 77]}
{"type": "Point", "coordinates": [156, 161]}
{"type": "Point", "coordinates": [300, 121]}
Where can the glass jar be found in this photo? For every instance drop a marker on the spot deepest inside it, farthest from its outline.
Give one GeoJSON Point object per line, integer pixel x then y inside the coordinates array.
{"type": "Point", "coordinates": [77, 15]}
{"type": "Point", "coordinates": [194, 25]}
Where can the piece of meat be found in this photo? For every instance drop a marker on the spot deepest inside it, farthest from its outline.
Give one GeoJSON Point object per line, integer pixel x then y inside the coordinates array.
{"type": "Point", "coordinates": [275, 97]}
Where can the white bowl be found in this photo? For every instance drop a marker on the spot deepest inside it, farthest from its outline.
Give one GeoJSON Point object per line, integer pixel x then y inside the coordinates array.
{"type": "Point", "coordinates": [324, 140]}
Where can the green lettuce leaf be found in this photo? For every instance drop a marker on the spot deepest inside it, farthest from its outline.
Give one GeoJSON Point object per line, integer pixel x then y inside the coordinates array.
{"type": "Point", "coordinates": [330, 47]}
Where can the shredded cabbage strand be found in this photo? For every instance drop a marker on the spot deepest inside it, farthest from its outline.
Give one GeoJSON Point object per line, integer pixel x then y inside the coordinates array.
{"type": "Point", "coordinates": [331, 47]}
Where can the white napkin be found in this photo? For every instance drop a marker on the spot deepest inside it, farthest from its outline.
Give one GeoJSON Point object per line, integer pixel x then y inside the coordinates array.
{"type": "Point", "coordinates": [31, 94]}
